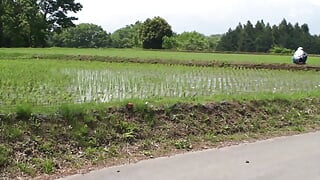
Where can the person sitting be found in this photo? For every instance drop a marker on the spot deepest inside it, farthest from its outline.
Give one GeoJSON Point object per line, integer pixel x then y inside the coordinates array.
{"type": "Point", "coordinates": [300, 57]}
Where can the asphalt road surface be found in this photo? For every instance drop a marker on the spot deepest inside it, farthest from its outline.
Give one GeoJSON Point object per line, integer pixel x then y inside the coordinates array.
{"type": "Point", "coordinates": [284, 158]}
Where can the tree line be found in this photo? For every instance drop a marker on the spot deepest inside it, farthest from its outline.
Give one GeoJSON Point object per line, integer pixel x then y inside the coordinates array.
{"type": "Point", "coordinates": [45, 23]}
{"type": "Point", "coordinates": [154, 33]}
{"type": "Point", "coordinates": [263, 38]}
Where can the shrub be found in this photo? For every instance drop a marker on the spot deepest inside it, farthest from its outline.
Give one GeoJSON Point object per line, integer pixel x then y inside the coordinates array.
{"type": "Point", "coordinates": [280, 50]}
{"type": "Point", "coordinates": [71, 112]}
{"type": "Point", "coordinates": [23, 111]}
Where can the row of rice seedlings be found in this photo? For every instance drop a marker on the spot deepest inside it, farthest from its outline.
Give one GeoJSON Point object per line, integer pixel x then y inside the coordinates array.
{"type": "Point", "coordinates": [55, 82]}
{"type": "Point", "coordinates": [175, 81]}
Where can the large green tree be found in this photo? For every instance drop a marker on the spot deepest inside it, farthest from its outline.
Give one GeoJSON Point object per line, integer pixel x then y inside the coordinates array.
{"type": "Point", "coordinates": [152, 32]}
{"type": "Point", "coordinates": [29, 22]}
{"type": "Point", "coordinates": [82, 36]}
{"type": "Point", "coordinates": [127, 37]}
{"type": "Point", "coordinates": [55, 13]}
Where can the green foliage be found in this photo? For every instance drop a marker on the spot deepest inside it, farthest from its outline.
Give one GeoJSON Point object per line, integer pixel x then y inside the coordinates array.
{"type": "Point", "coordinates": [147, 112]}
{"type": "Point", "coordinates": [11, 132]}
{"type": "Point", "coordinates": [71, 112]}
{"type": "Point", "coordinates": [261, 37]}
{"type": "Point", "coordinates": [213, 41]}
{"type": "Point", "coordinates": [5, 153]}
{"type": "Point", "coordinates": [127, 130]}
{"type": "Point", "coordinates": [127, 37]}
{"type": "Point", "coordinates": [183, 144]}
{"type": "Point", "coordinates": [193, 41]}
{"type": "Point", "coordinates": [47, 147]}
{"type": "Point", "coordinates": [27, 23]}
{"type": "Point", "coordinates": [170, 42]}
{"type": "Point", "coordinates": [124, 132]}
{"type": "Point", "coordinates": [92, 153]}
{"type": "Point", "coordinates": [152, 32]}
{"type": "Point", "coordinates": [82, 36]}
{"type": "Point", "coordinates": [24, 111]}
{"type": "Point", "coordinates": [281, 50]}
{"type": "Point", "coordinates": [48, 166]}
{"type": "Point", "coordinates": [26, 168]}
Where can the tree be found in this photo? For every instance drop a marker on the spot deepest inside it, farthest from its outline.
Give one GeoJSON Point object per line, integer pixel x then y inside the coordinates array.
{"type": "Point", "coordinates": [247, 39]}
{"type": "Point", "coordinates": [262, 38]}
{"type": "Point", "coordinates": [193, 41]}
{"type": "Point", "coordinates": [127, 37]}
{"type": "Point", "coordinates": [152, 32]}
{"type": "Point", "coordinates": [231, 40]}
{"type": "Point", "coordinates": [170, 42]}
{"type": "Point", "coordinates": [29, 22]}
{"type": "Point", "coordinates": [55, 13]}
{"type": "Point", "coordinates": [1, 23]}
{"type": "Point", "coordinates": [263, 41]}
{"type": "Point", "coordinates": [83, 36]}
{"type": "Point", "coordinates": [214, 41]}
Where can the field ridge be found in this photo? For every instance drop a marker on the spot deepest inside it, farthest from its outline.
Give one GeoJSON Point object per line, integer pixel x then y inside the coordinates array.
{"type": "Point", "coordinates": [202, 63]}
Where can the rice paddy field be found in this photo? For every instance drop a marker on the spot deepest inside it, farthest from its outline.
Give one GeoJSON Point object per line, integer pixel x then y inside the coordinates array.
{"type": "Point", "coordinates": [25, 53]}
{"type": "Point", "coordinates": [67, 109]}
{"type": "Point", "coordinates": [50, 82]}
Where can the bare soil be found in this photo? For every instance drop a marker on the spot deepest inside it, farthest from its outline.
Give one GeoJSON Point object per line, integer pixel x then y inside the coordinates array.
{"type": "Point", "coordinates": [213, 63]}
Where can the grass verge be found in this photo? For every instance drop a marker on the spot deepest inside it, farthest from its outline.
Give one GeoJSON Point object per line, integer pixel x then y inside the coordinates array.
{"type": "Point", "coordinates": [74, 137]}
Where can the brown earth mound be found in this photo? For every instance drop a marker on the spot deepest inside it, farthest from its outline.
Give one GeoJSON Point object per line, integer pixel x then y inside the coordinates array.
{"type": "Point", "coordinates": [213, 63]}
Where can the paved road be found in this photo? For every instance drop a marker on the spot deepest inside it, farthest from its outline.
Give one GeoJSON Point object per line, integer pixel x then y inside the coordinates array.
{"type": "Point", "coordinates": [285, 158]}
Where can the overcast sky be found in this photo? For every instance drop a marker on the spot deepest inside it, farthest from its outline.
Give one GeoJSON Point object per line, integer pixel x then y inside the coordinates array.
{"type": "Point", "coordinates": [205, 16]}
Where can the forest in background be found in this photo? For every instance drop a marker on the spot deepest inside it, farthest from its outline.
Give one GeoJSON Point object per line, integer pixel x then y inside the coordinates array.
{"type": "Point", "coordinates": [44, 23]}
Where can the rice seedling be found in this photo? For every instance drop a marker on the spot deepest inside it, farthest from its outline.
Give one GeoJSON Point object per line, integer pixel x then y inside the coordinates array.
{"type": "Point", "coordinates": [53, 82]}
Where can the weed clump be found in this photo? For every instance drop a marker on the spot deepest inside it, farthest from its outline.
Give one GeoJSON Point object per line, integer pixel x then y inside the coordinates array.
{"type": "Point", "coordinates": [5, 152]}
{"type": "Point", "coordinates": [24, 111]}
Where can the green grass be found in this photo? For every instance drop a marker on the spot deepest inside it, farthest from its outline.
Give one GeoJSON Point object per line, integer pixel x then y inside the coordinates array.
{"type": "Point", "coordinates": [144, 54]}
{"type": "Point", "coordinates": [55, 144]}
{"type": "Point", "coordinates": [57, 82]}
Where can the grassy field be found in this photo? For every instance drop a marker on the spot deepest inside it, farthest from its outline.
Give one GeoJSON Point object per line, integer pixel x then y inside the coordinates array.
{"type": "Point", "coordinates": [55, 82]}
{"type": "Point", "coordinates": [143, 54]}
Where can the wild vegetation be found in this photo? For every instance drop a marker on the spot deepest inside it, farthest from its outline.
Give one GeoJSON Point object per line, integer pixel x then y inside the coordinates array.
{"type": "Point", "coordinates": [74, 137]}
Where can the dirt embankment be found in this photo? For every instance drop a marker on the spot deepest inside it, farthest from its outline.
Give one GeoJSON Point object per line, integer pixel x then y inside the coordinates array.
{"type": "Point", "coordinates": [202, 63]}
{"type": "Point", "coordinates": [75, 138]}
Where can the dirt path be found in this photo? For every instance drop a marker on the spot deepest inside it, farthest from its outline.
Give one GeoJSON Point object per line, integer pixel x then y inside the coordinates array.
{"type": "Point", "coordinates": [201, 63]}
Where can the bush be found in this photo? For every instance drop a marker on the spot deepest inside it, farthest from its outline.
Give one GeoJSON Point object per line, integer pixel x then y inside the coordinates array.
{"type": "Point", "coordinates": [169, 43]}
{"type": "Point", "coordinates": [71, 112]}
{"type": "Point", "coordinates": [280, 50]}
{"type": "Point", "coordinates": [24, 111]}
